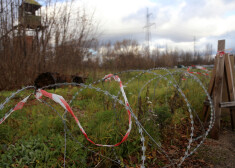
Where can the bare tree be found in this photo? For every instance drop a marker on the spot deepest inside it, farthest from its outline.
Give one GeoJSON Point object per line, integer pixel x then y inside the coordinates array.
{"type": "Point", "coordinates": [59, 43]}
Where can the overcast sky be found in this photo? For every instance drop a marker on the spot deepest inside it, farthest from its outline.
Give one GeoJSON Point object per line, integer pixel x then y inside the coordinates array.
{"type": "Point", "coordinates": [176, 21]}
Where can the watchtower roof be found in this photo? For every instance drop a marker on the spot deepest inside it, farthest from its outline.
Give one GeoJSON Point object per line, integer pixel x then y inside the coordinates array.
{"type": "Point", "coordinates": [32, 2]}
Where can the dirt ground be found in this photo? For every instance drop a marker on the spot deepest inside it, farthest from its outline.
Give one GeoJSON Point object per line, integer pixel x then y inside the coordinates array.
{"type": "Point", "coordinates": [219, 153]}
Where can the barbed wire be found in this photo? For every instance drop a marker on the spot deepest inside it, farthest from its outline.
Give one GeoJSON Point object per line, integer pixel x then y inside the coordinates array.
{"type": "Point", "coordinates": [170, 82]}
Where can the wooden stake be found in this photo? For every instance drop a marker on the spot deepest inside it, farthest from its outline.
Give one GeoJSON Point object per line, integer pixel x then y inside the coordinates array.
{"type": "Point", "coordinates": [210, 91]}
{"type": "Point", "coordinates": [217, 96]}
{"type": "Point", "coordinates": [230, 87]}
{"type": "Point", "coordinates": [221, 87]}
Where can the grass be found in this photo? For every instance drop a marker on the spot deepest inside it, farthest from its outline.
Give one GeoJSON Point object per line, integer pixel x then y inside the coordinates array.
{"type": "Point", "coordinates": [34, 136]}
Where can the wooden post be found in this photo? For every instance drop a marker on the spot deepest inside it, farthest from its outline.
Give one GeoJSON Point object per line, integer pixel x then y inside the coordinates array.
{"type": "Point", "coordinates": [229, 65]}
{"type": "Point", "coordinates": [217, 96]}
{"type": "Point", "coordinates": [221, 88]}
{"type": "Point", "coordinates": [210, 90]}
{"type": "Point", "coordinates": [221, 47]}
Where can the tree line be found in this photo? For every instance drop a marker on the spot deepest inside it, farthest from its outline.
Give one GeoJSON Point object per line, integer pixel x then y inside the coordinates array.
{"type": "Point", "coordinates": [62, 45]}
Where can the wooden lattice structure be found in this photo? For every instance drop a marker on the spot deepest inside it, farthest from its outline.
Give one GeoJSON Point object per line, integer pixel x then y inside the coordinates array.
{"type": "Point", "coordinates": [221, 88]}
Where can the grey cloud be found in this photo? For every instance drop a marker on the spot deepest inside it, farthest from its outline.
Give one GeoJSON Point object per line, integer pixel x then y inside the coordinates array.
{"type": "Point", "coordinates": [175, 37]}
{"type": "Point", "coordinates": [140, 37]}
{"type": "Point", "coordinates": [138, 16]}
{"type": "Point", "coordinates": [119, 37]}
{"type": "Point", "coordinates": [200, 8]}
{"type": "Point", "coordinates": [230, 42]}
{"type": "Point", "coordinates": [228, 1]}
{"type": "Point", "coordinates": [193, 8]}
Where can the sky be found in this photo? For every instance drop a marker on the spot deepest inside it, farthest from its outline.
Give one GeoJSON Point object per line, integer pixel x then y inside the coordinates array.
{"type": "Point", "coordinates": [175, 22]}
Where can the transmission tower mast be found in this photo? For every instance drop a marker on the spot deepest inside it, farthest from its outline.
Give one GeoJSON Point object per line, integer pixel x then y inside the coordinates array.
{"type": "Point", "coordinates": [148, 32]}
{"type": "Point", "coordinates": [194, 47]}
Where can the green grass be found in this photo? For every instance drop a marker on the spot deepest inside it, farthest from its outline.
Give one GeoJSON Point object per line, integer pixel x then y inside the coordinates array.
{"type": "Point", "coordinates": [34, 136]}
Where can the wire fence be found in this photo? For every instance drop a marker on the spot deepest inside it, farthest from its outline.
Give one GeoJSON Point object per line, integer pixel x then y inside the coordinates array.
{"type": "Point", "coordinates": [156, 77]}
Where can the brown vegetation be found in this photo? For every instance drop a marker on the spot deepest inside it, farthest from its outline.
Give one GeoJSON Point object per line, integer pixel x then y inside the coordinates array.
{"type": "Point", "coordinates": [60, 43]}
{"type": "Point", "coordinates": [57, 45]}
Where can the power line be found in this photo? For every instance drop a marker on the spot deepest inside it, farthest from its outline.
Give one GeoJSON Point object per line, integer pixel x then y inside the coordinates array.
{"type": "Point", "coordinates": [148, 33]}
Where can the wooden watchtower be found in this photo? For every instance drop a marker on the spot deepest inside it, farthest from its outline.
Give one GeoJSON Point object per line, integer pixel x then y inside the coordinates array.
{"type": "Point", "coordinates": [29, 23]}
{"type": "Point", "coordinates": [29, 15]}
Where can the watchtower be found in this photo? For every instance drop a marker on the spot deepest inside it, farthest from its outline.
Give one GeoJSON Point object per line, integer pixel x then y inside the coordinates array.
{"type": "Point", "coordinates": [28, 15]}
{"type": "Point", "coordinates": [29, 24]}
